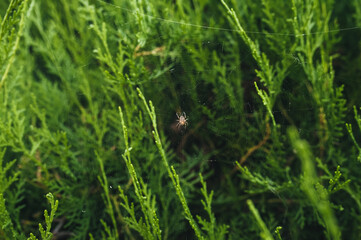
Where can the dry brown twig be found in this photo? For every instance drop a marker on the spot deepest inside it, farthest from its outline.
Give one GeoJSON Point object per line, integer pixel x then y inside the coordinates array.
{"type": "Point", "coordinates": [252, 149]}
{"type": "Point", "coordinates": [155, 52]}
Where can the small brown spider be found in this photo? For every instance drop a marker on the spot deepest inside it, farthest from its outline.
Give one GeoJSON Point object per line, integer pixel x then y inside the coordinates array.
{"type": "Point", "coordinates": [182, 120]}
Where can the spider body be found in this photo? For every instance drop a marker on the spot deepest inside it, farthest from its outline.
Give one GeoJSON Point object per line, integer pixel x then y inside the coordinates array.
{"type": "Point", "coordinates": [182, 120]}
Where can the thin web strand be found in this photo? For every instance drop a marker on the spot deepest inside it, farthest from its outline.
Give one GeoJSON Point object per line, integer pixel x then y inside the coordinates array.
{"type": "Point", "coordinates": [226, 29]}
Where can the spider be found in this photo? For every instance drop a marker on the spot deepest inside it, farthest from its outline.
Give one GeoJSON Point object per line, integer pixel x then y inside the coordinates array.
{"type": "Point", "coordinates": [182, 120]}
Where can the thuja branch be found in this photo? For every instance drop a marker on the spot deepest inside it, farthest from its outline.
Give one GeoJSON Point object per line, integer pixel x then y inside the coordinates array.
{"type": "Point", "coordinates": [152, 230]}
{"type": "Point", "coordinates": [104, 183]}
{"type": "Point", "coordinates": [17, 41]}
{"type": "Point", "coordinates": [267, 73]}
{"type": "Point", "coordinates": [265, 232]}
{"type": "Point", "coordinates": [171, 171]}
{"type": "Point", "coordinates": [316, 193]}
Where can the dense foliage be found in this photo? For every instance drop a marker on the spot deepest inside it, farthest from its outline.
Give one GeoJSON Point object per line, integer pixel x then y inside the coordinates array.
{"type": "Point", "coordinates": [89, 92]}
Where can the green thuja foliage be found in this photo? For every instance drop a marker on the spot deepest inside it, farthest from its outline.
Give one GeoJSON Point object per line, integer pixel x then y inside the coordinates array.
{"type": "Point", "coordinates": [265, 234]}
{"type": "Point", "coordinates": [46, 233]}
{"type": "Point", "coordinates": [5, 220]}
{"type": "Point", "coordinates": [349, 129]}
{"type": "Point", "coordinates": [156, 119]}
{"type": "Point", "coordinates": [213, 231]}
{"type": "Point", "coordinates": [314, 190]}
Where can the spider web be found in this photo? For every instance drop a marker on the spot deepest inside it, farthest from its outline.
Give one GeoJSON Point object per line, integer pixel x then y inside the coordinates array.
{"type": "Point", "coordinates": [167, 115]}
{"type": "Point", "coordinates": [166, 111]}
